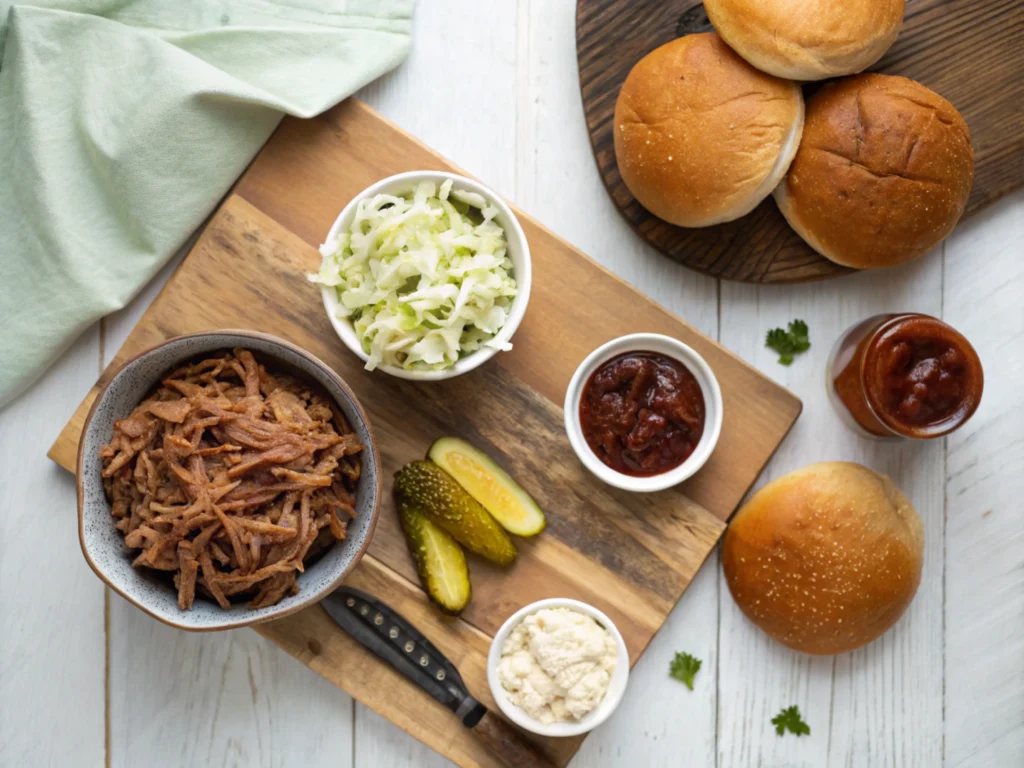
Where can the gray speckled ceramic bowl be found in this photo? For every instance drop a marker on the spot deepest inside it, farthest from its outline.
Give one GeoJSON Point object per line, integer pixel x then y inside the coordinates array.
{"type": "Point", "coordinates": [103, 545]}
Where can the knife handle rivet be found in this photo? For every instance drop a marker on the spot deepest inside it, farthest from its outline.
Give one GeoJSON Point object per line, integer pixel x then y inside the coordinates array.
{"type": "Point", "coordinates": [424, 661]}
{"type": "Point", "coordinates": [393, 633]}
{"type": "Point", "coordinates": [350, 603]}
{"type": "Point", "coordinates": [409, 646]}
{"type": "Point", "coordinates": [440, 674]}
{"type": "Point", "coordinates": [364, 610]}
{"type": "Point", "coordinates": [378, 619]}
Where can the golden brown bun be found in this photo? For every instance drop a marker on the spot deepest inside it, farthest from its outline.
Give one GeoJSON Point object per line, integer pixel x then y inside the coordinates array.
{"type": "Point", "coordinates": [826, 558]}
{"type": "Point", "coordinates": [809, 40]}
{"type": "Point", "coordinates": [702, 137]}
{"type": "Point", "coordinates": [883, 172]}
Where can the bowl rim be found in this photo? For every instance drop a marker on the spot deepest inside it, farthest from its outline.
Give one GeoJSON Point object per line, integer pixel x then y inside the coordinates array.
{"type": "Point", "coordinates": [302, 604]}
{"type": "Point", "coordinates": [612, 698]}
{"type": "Point", "coordinates": [710, 389]}
{"type": "Point", "coordinates": [523, 276]}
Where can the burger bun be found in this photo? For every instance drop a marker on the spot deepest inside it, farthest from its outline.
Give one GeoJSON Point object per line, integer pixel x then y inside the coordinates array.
{"type": "Point", "coordinates": [702, 137]}
{"type": "Point", "coordinates": [825, 559]}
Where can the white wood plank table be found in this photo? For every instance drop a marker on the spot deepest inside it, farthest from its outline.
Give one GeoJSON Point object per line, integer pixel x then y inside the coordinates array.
{"type": "Point", "coordinates": [86, 680]}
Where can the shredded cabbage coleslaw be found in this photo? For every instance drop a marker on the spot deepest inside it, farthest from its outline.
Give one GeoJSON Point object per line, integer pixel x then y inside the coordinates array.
{"type": "Point", "coordinates": [424, 278]}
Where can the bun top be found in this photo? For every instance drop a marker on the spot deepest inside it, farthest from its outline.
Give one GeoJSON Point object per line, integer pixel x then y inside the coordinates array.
{"type": "Point", "coordinates": [701, 137]}
{"type": "Point", "coordinates": [810, 39]}
{"type": "Point", "coordinates": [826, 558]}
{"type": "Point", "coordinates": [883, 173]}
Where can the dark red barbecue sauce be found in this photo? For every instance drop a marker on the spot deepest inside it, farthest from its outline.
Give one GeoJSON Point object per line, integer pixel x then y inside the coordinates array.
{"type": "Point", "coordinates": [909, 375]}
{"type": "Point", "coordinates": [642, 413]}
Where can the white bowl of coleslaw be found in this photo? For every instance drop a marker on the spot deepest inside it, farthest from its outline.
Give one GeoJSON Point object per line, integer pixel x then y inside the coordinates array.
{"type": "Point", "coordinates": [425, 275]}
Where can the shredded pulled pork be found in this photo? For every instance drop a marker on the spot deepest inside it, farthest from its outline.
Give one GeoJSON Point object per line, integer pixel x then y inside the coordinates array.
{"type": "Point", "coordinates": [232, 478]}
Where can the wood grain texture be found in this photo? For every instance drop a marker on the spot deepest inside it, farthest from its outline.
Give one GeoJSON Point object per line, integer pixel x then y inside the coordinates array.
{"type": "Point", "coordinates": [968, 51]}
{"type": "Point", "coordinates": [313, 638]}
{"type": "Point", "coordinates": [630, 555]}
{"type": "Point", "coordinates": [486, 34]}
{"type": "Point", "coordinates": [503, 740]}
{"type": "Point", "coordinates": [574, 305]}
{"type": "Point", "coordinates": [660, 722]}
{"type": "Point", "coordinates": [328, 154]}
{"type": "Point", "coordinates": [659, 546]}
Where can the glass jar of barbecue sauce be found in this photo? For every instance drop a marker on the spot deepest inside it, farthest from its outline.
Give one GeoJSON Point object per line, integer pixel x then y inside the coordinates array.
{"type": "Point", "coordinates": [904, 376]}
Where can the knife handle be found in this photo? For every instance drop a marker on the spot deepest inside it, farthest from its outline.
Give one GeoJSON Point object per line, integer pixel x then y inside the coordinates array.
{"type": "Point", "coordinates": [505, 742]}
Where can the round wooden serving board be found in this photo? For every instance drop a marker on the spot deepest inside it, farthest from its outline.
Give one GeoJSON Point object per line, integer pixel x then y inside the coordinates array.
{"type": "Point", "coordinates": [969, 51]}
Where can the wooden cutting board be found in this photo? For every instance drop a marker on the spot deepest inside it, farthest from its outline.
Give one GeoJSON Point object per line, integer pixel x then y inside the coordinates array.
{"type": "Point", "coordinates": [969, 51]}
{"type": "Point", "coordinates": [630, 555]}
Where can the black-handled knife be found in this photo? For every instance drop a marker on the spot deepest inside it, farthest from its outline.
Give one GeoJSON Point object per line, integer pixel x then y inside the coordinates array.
{"type": "Point", "coordinates": [393, 639]}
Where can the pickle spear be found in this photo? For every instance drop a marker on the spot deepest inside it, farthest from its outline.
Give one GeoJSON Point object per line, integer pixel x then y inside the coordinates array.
{"type": "Point", "coordinates": [489, 484]}
{"type": "Point", "coordinates": [439, 559]}
{"type": "Point", "coordinates": [434, 492]}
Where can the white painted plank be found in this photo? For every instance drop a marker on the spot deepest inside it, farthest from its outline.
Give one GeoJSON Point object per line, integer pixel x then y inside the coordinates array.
{"type": "Point", "coordinates": [381, 744]}
{"type": "Point", "coordinates": [557, 178]}
{"type": "Point", "coordinates": [879, 706]}
{"type": "Point", "coordinates": [660, 721]}
{"type": "Point", "coordinates": [456, 91]}
{"type": "Point", "coordinates": [984, 691]}
{"type": "Point", "coordinates": [242, 701]}
{"type": "Point", "coordinates": [51, 605]}
{"type": "Point", "coordinates": [483, 78]}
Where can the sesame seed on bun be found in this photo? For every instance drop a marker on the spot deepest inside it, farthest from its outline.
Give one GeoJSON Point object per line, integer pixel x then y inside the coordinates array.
{"type": "Point", "coordinates": [825, 559]}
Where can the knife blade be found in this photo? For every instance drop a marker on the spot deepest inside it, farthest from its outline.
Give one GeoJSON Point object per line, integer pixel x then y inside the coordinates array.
{"type": "Point", "coordinates": [385, 633]}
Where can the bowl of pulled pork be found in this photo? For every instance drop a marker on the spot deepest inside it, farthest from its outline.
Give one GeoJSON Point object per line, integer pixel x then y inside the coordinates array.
{"type": "Point", "coordinates": [226, 479]}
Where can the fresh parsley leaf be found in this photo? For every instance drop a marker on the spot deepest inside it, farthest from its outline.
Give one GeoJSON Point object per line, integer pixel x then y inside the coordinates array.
{"type": "Point", "coordinates": [789, 343]}
{"type": "Point", "coordinates": [798, 328]}
{"type": "Point", "coordinates": [790, 718]}
{"type": "Point", "coordinates": [683, 668]}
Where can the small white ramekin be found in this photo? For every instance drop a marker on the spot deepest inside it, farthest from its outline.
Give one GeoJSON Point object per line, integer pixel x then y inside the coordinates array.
{"type": "Point", "coordinates": [616, 688]}
{"type": "Point", "coordinates": [663, 345]}
{"type": "Point", "coordinates": [518, 252]}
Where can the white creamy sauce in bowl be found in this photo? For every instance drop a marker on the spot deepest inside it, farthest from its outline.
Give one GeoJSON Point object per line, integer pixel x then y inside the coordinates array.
{"type": "Point", "coordinates": [556, 665]}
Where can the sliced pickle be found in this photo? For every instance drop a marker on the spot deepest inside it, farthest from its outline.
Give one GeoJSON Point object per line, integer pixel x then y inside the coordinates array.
{"type": "Point", "coordinates": [439, 559]}
{"type": "Point", "coordinates": [490, 485]}
{"type": "Point", "coordinates": [434, 492]}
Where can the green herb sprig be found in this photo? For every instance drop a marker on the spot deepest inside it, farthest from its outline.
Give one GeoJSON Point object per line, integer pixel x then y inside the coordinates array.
{"type": "Point", "coordinates": [683, 668]}
{"type": "Point", "coordinates": [789, 343]}
{"type": "Point", "coordinates": [789, 718]}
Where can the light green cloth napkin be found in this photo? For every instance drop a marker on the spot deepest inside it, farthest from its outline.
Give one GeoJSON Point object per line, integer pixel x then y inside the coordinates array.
{"type": "Point", "coordinates": [123, 122]}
